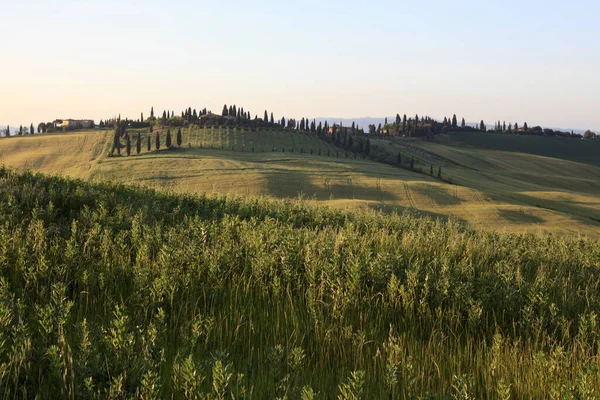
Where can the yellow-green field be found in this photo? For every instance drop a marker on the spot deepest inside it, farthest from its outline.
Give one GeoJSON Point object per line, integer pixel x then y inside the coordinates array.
{"type": "Point", "coordinates": [492, 190]}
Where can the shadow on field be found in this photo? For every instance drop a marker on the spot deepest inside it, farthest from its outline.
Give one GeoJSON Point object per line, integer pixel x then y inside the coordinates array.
{"type": "Point", "coordinates": [519, 217]}
{"type": "Point", "coordinates": [440, 194]}
{"type": "Point", "coordinates": [587, 215]}
{"type": "Point", "coordinates": [390, 209]}
{"type": "Point", "coordinates": [326, 187]}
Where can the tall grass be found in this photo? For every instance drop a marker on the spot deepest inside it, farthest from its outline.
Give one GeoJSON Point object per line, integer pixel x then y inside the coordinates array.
{"type": "Point", "coordinates": [116, 291]}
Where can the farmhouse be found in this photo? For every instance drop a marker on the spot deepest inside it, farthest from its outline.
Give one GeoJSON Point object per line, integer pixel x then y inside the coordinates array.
{"type": "Point", "coordinates": [74, 123]}
{"type": "Point", "coordinates": [335, 128]}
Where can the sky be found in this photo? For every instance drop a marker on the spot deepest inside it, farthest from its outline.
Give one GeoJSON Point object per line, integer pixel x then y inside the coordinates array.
{"type": "Point", "coordinates": [515, 61]}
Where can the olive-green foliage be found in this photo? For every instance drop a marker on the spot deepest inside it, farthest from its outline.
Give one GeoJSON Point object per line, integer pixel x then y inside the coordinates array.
{"type": "Point", "coordinates": [113, 291]}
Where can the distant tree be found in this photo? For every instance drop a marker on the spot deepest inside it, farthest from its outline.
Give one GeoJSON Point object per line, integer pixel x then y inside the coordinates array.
{"type": "Point", "coordinates": [142, 117]}
{"type": "Point", "coordinates": [7, 131]}
{"type": "Point", "coordinates": [266, 117]}
{"type": "Point", "coordinates": [149, 144]}
{"type": "Point", "coordinates": [525, 127]}
{"type": "Point", "coordinates": [152, 112]}
{"type": "Point", "coordinates": [225, 111]}
{"type": "Point", "coordinates": [463, 123]}
{"type": "Point", "coordinates": [445, 123]}
{"type": "Point", "coordinates": [368, 147]}
{"type": "Point", "coordinates": [516, 127]}
{"type": "Point", "coordinates": [157, 141]}
{"type": "Point", "coordinates": [21, 130]}
{"type": "Point", "coordinates": [454, 123]}
{"type": "Point", "coordinates": [31, 130]}
{"type": "Point", "coordinates": [482, 126]}
{"type": "Point", "coordinates": [138, 144]}
{"type": "Point", "coordinates": [379, 129]}
{"type": "Point", "coordinates": [41, 127]}
{"type": "Point", "coordinates": [164, 116]}
{"type": "Point", "coordinates": [168, 141]}
{"type": "Point", "coordinates": [589, 135]}
{"type": "Point", "coordinates": [179, 137]}
{"type": "Point", "coordinates": [503, 125]}
{"type": "Point", "coordinates": [128, 145]}
{"type": "Point", "coordinates": [398, 120]}
{"type": "Point", "coordinates": [386, 121]}
{"type": "Point", "coordinates": [272, 119]}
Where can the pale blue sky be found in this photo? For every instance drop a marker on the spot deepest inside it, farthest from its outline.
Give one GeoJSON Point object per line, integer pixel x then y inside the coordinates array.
{"type": "Point", "coordinates": [534, 61]}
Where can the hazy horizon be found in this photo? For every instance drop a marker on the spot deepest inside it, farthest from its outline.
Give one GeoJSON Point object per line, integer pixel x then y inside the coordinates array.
{"type": "Point", "coordinates": [533, 62]}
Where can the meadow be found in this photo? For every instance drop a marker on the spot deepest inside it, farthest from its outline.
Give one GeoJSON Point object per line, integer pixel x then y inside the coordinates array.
{"type": "Point", "coordinates": [556, 147]}
{"type": "Point", "coordinates": [490, 189]}
{"type": "Point", "coordinates": [115, 291]}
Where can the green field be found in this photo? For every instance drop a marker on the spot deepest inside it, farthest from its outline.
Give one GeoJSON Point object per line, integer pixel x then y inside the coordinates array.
{"type": "Point", "coordinates": [111, 291]}
{"type": "Point", "coordinates": [565, 148]}
{"type": "Point", "coordinates": [505, 191]}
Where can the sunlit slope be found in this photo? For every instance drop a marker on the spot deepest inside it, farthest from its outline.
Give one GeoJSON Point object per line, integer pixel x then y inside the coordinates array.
{"type": "Point", "coordinates": [519, 188]}
{"type": "Point", "coordinates": [492, 190]}
{"type": "Point", "coordinates": [73, 154]}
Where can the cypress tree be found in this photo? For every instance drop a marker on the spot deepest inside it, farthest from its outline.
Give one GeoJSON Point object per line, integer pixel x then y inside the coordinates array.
{"type": "Point", "coordinates": [272, 119]}
{"type": "Point", "coordinates": [179, 137]}
{"type": "Point", "coordinates": [142, 117]}
{"type": "Point", "coordinates": [463, 123]}
{"type": "Point", "coordinates": [116, 142]}
{"type": "Point", "coordinates": [128, 145]}
{"type": "Point", "coordinates": [31, 131]}
{"type": "Point", "coordinates": [152, 112]}
{"type": "Point", "coordinates": [168, 141]}
{"type": "Point", "coordinates": [454, 123]}
{"type": "Point", "coordinates": [157, 141]}
{"type": "Point", "coordinates": [21, 130]}
{"type": "Point", "coordinates": [7, 132]}
{"type": "Point", "coordinates": [225, 111]}
{"type": "Point", "coordinates": [138, 145]}
{"type": "Point", "coordinates": [525, 127]}
{"type": "Point", "coordinates": [266, 117]}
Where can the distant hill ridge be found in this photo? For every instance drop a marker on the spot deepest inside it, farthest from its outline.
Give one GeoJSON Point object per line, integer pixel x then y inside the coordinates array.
{"type": "Point", "coordinates": [364, 122]}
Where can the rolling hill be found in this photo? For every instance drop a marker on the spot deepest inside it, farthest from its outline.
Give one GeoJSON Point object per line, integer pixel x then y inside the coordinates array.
{"type": "Point", "coordinates": [492, 189]}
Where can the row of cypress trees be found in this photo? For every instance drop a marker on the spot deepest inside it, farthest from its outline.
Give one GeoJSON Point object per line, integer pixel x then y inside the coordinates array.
{"type": "Point", "coordinates": [138, 144]}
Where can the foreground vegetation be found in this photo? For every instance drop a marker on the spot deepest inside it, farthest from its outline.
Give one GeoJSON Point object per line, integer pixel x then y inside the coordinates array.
{"type": "Point", "coordinates": [121, 292]}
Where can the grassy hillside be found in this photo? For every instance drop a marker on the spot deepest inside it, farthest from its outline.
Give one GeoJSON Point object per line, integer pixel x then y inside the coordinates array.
{"type": "Point", "coordinates": [563, 148]}
{"type": "Point", "coordinates": [518, 188]}
{"type": "Point", "coordinates": [120, 292]}
{"type": "Point", "coordinates": [493, 190]}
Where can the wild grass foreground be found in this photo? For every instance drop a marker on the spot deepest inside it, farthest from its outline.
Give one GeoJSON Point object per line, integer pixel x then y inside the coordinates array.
{"type": "Point", "coordinates": [111, 291]}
